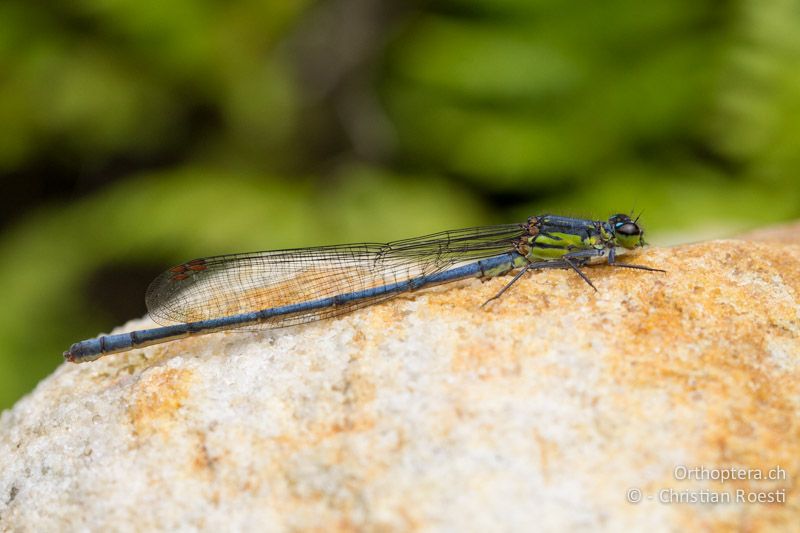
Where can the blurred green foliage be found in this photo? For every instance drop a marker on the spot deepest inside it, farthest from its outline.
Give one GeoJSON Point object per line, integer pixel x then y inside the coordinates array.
{"type": "Point", "coordinates": [136, 134]}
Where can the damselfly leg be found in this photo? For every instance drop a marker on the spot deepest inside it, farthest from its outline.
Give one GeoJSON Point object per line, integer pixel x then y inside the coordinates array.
{"type": "Point", "coordinates": [572, 260]}
{"type": "Point", "coordinates": [537, 265]}
{"type": "Point", "coordinates": [612, 261]}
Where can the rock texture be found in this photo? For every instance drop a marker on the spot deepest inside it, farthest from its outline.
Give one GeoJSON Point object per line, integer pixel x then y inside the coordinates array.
{"type": "Point", "coordinates": [541, 412]}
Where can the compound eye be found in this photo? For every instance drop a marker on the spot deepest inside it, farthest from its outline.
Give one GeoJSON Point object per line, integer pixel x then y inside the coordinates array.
{"type": "Point", "coordinates": [629, 229]}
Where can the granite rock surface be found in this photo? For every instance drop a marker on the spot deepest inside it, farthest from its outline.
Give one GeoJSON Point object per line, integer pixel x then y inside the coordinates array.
{"type": "Point", "coordinates": [548, 410]}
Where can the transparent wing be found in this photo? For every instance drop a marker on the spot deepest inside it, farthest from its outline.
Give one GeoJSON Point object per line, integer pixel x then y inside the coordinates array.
{"type": "Point", "coordinates": [214, 287]}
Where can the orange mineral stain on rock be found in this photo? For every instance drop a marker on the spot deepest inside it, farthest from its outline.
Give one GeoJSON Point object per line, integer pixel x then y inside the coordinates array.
{"type": "Point", "coordinates": [158, 397]}
{"type": "Point", "coordinates": [432, 412]}
{"type": "Point", "coordinates": [704, 338]}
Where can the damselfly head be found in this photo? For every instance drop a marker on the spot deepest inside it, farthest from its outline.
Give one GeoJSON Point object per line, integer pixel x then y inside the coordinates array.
{"type": "Point", "coordinates": [627, 232]}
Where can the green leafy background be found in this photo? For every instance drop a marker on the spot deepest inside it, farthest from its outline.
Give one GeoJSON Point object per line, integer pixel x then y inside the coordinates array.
{"type": "Point", "coordinates": [138, 134]}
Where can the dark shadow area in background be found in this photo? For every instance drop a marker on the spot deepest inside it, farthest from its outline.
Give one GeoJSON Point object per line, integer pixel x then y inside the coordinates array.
{"type": "Point", "coordinates": [115, 292]}
{"type": "Point", "coordinates": [61, 172]}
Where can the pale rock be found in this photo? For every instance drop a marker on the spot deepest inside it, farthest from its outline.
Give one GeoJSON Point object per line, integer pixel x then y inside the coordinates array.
{"type": "Point", "coordinates": [540, 412]}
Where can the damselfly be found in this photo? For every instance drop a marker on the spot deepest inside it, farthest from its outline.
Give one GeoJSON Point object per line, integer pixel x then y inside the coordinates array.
{"type": "Point", "coordinates": [287, 287]}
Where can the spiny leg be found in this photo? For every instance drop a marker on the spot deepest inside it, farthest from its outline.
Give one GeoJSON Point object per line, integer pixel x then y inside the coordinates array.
{"type": "Point", "coordinates": [571, 260]}
{"type": "Point", "coordinates": [612, 261]}
{"type": "Point", "coordinates": [539, 265]}
{"type": "Point", "coordinates": [574, 267]}
{"type": "Point", "coordinates": [578, 258]}
{"type": "Point", "coordinates": [508, 285]}
{"type": "Point", "coordinates": [636, 267]}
